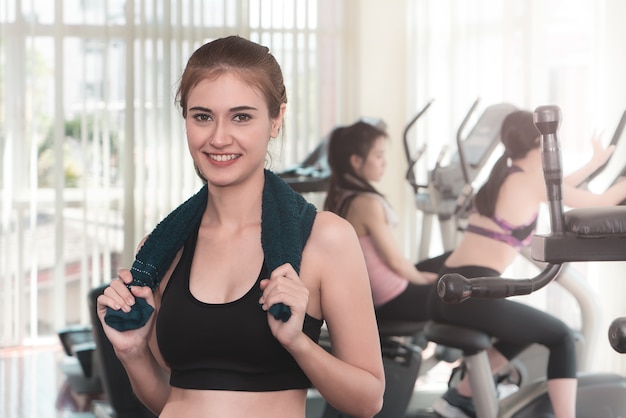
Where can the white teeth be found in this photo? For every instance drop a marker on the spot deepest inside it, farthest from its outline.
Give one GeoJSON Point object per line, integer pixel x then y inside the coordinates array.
{"type": "Point", "coordinates": [222, 157]}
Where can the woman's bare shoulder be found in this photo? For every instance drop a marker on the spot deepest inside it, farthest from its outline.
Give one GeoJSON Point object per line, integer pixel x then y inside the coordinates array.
{"type": "Point", "coordinates": [367, 204]}
{"type": "Point", "coordinates": [329, 226]}
{"type": "Point", "coordinates": [331, 236]}
{"type": "Point", "coordinates": [367, 198]}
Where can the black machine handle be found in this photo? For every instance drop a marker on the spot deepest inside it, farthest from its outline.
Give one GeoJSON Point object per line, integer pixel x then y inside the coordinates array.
{"type": "Point", "coordinates": [459, 141]}
{"type": "Point", "coordinates": [617, 334]}
{"type": "Point", "coordinates": [412, 160]}
{"type": "Point", "coordinates": [455, 288]}
{"type": "Point", "coordinates": [547, 120]}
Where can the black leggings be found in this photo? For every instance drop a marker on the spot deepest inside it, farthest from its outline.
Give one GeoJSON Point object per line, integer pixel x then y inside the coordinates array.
{"type": "Point", "coordinates": [514, 325]}
{"type": "Point", "coordinates": [412, 304]}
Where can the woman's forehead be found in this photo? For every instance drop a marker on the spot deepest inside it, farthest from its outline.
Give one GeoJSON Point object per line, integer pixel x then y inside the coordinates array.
{"type": "Point", "coordinates": [225, 90]}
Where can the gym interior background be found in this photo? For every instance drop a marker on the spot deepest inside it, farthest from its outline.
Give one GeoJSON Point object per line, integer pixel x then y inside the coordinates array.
{"type": "Point", "coordinates": [93, 150]}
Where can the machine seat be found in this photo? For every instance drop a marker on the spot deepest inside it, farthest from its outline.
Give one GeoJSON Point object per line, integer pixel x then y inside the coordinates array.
{"type": "Point", "coordinates": [388, 328]}
{"type": "Point", "coordinates": [591, 234]}
{"type": "Point", "coordinates": [470, 341]}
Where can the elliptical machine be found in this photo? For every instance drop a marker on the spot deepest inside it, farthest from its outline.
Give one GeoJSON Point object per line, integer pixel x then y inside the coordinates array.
{"type": "Point", "coordinates": [446, 194]}
{"type": "Point", "coordinates": [590, 234]}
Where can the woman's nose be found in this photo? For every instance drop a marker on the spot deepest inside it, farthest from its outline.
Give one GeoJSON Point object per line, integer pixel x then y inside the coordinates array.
{"type": "Point", "coordinates": [220, 135]}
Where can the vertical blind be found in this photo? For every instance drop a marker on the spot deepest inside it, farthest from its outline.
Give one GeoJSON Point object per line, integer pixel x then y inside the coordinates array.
{"type": "Point", "coordinates": [92, 145]}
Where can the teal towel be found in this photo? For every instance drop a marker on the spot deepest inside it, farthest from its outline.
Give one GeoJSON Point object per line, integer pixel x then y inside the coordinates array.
{"type": "Point", "coordinates": [286, 222]}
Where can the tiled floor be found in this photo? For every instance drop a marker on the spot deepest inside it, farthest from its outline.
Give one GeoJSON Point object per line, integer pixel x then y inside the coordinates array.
{"type": "Point", "coordinates": [31, 383]}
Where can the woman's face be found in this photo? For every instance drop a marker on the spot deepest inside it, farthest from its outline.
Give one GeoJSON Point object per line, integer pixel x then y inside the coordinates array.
{"type": "Point", "coordinates": [228, 129]}
{"type": "Point", "coordinates": [372, 167]}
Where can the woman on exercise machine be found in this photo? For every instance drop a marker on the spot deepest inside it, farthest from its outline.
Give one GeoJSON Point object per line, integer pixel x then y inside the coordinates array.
{"type": "Point", "coordinates": [503, 221]}
{"type": "Point", "coordinates": [356, 156]}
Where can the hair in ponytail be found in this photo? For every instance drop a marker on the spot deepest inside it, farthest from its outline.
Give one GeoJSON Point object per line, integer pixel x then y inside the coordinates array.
{"type": "Point", "coordinates": [344, 142]}
{"type": "Point", "coordinates": [519, 135]}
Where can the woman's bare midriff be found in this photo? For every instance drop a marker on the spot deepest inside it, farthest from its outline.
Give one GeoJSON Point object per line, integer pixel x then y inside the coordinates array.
{"type": "Point", "coordinates": [219, 404]}
{"type": "Point", "coordinates": [476, 250]}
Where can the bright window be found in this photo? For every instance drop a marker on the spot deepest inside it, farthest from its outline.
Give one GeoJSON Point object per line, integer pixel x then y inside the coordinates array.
{"type": "Point", "coordinates": [92, 146]}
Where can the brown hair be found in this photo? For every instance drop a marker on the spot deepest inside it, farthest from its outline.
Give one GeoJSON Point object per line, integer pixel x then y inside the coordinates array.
{"type": "Point", "coordinates": [519, 135]}
{"type": "Point", "coordinates": [252, 62]}
{"type": "Point", "coordinates": [344, 142]}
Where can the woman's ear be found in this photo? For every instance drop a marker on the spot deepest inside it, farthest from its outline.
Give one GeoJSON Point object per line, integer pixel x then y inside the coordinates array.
{"type": "Point", "coordinates": [278, 122]}
{"type": "Point", "coordinates": [356, 161]}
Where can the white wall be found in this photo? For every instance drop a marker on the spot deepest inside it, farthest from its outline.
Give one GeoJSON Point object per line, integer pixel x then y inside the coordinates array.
{"type": "Point", "coordinates": [378, 38]}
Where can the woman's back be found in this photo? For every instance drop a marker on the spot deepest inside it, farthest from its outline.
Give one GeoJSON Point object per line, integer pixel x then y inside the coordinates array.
{"type": "Point", "coordinates": [364, 210]}
{"type": "Point", "coordinates": [517, 205]}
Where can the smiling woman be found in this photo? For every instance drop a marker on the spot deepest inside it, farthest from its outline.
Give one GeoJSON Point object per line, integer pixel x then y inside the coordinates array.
{"type": "Point", "coordinates": [220, 135]}
{"type": "Point", "coordinates": [257, 269]}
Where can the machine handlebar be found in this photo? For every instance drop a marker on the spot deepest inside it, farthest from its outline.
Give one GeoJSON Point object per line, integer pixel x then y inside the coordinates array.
{"type": "Point", "coordinates": [617, 335]}
{"type": "Point", "coordinates": [455, 288]}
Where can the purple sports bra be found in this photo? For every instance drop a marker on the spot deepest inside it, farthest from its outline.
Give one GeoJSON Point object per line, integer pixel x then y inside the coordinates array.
{"type": "Point", "coordinates": [517, 236]}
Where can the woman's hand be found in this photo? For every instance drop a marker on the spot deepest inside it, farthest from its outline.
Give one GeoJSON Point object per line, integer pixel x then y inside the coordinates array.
{"type": "Point", "coordinates": [284, 286]}
{"type": "Point", "coordinates": [118, 297]}
{"type": "Point", "coordinates": [600, 154]}
{"type": "Point", "coordinates": [429, 276]}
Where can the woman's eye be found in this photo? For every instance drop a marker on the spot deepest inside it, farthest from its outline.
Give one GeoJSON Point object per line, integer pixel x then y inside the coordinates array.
{"type": "Point", "coordinates": [202, 117]}
{"type": "Point", "coordinates": [242, 117]}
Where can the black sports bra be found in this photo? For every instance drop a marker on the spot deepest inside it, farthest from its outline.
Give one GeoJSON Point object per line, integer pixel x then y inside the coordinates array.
{"type": "Point", "coordinates": [224, 346]}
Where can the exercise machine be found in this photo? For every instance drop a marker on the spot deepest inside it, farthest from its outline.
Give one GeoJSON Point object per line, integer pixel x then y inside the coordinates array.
{"type": "Point", "coordinates": [578, 235]}
{"type": "Point", "coordinates": [81, 369]}
{"type": "Point", "coordinates": [530, 364]}
{"type": "Point", "coordinates": [449, 188]}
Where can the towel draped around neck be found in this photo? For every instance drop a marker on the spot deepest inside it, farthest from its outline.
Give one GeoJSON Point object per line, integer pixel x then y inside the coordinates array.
{"type": "Point", "coordinates": [286, 222]}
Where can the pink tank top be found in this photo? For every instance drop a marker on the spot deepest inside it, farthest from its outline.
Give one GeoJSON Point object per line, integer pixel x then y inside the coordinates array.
{"type": "Point", "coordinates": [385, 283]}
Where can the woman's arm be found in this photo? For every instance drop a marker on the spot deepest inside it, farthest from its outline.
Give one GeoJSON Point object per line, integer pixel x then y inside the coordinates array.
{"type": "Point", "coordinates": [576, 197]}
{"type": "Point", "coordinates": [148, 379]}
{"type": "Point", "coordinates": [600, 156]}
{"type": "Point", "coordinates": [372, 213]}
{"type": "Point", "coordinates": [352, 379]}
{"type": "Point", "coordinates": [580, 198]}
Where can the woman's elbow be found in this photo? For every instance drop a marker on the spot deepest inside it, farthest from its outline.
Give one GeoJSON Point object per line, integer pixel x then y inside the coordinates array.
{"type": "Point", "coordinates": [373, 403]}
{"type": "Point", "coordinates": [377, 404]}
{"type": "Point", "coordinates": [370, 408]}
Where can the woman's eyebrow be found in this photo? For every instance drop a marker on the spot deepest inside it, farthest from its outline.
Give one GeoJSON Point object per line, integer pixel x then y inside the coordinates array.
{"type": "Point", "coordinates": [233, 109]}
{"type": "Point", "coordinates": [200, 108]}
{"type": "Point", "coordinates": [240, 108]}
